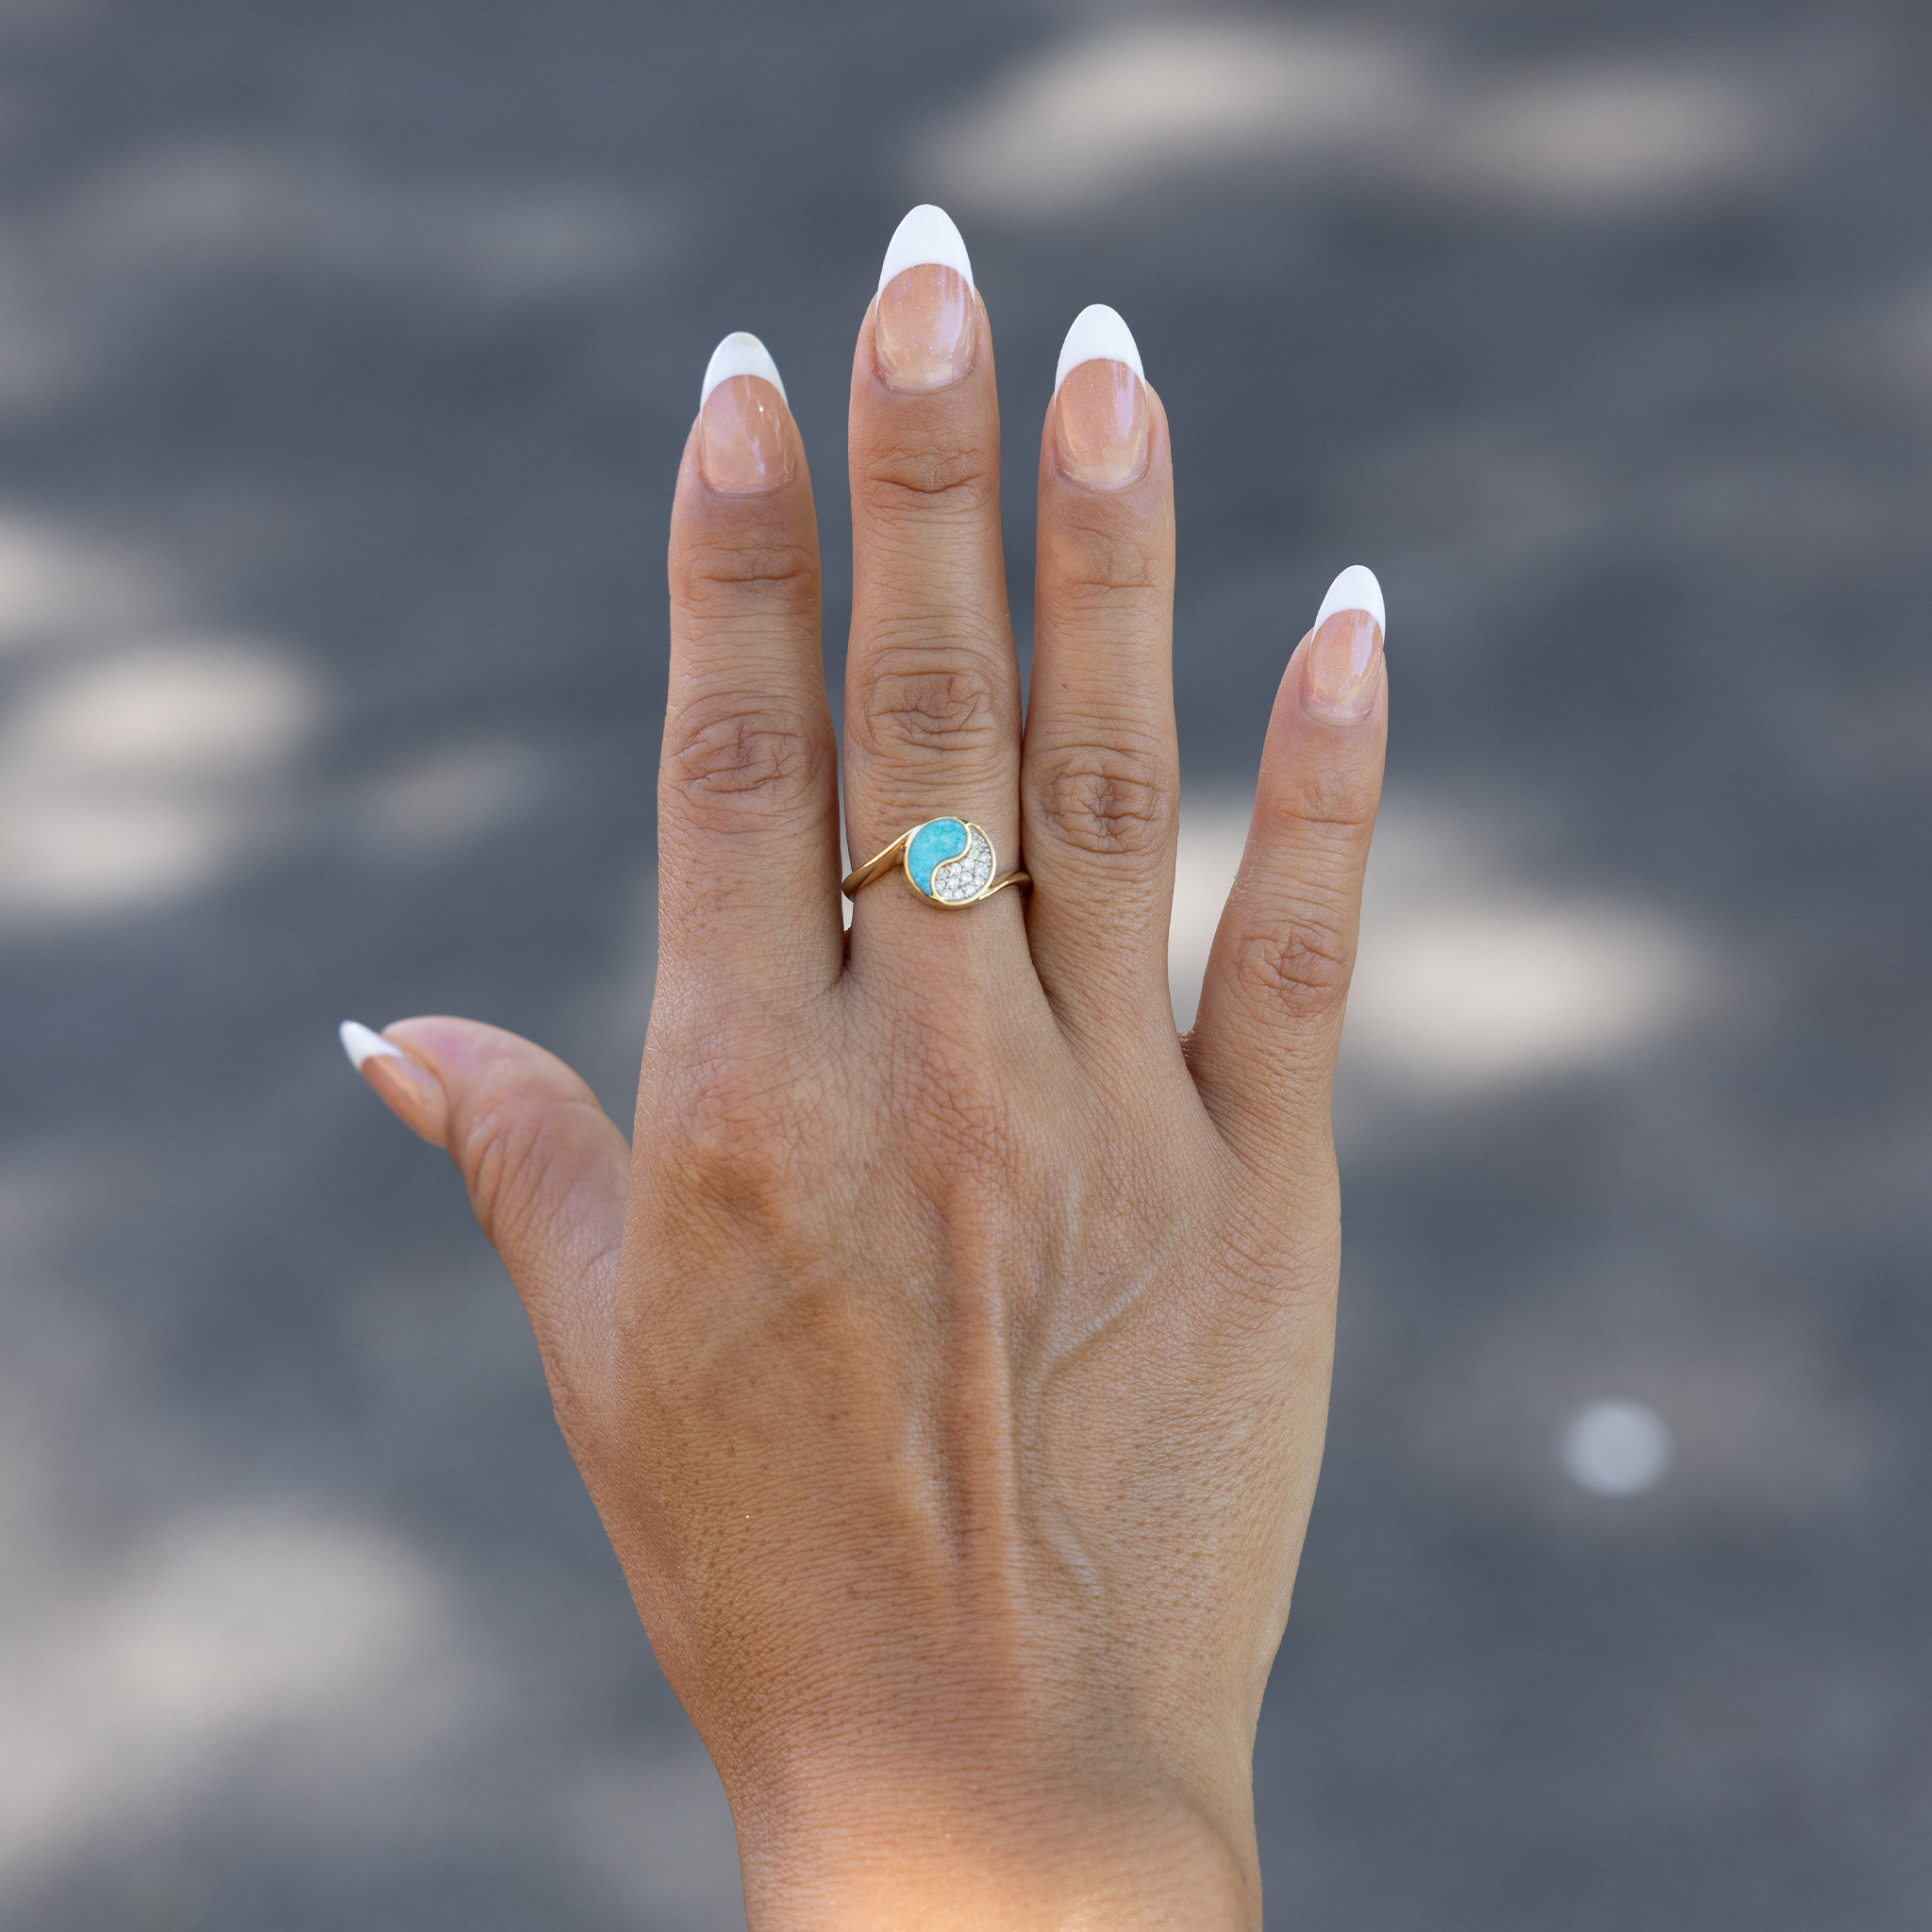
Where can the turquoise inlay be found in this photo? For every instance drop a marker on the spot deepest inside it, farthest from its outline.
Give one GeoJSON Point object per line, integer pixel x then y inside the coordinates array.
{"type": "Point", "coordinates": [935, 842]}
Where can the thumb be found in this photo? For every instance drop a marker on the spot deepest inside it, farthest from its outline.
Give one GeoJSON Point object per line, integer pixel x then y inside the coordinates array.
{"type": "Point", "coordinates": [547, 1168]}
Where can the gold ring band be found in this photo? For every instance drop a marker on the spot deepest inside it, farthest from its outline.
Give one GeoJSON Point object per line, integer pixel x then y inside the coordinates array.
{"type": "Point", "coordinates": [948, 861]}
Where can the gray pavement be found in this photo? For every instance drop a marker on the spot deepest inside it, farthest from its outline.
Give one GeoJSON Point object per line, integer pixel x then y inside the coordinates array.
{"type": "Point", "coordinates": [345, 352]}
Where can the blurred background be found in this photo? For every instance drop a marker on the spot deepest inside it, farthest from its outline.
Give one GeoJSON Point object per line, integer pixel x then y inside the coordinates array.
{"type": "Point", "coordinates": [346, 350]}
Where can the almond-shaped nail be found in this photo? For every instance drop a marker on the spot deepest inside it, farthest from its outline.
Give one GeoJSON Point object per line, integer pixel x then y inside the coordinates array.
{"type": "Point", "coordinates": [1342, 672]}
{"type": "Point", "coordinates": [925, 330]}
{"type": "Point", "coordinates": [1100, 403]}
{"type": "Point", "coordinates": [408, 1088]}
{"type": "Point", "coordinates": [743, 447]}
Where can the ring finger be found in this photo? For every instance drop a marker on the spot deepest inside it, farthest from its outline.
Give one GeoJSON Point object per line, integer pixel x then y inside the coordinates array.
{"type": "Point", "coordinates": [1102, 768]}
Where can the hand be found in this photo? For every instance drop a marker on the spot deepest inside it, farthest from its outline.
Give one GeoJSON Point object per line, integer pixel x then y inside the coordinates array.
{"type": "Point", "coordinates": [949, 1360]}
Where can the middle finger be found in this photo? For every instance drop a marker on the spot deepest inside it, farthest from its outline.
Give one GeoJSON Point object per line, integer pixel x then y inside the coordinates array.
{"type": "Point", "coordinates": [932, 690]}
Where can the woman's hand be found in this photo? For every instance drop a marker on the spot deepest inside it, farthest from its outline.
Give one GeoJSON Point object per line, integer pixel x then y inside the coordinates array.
{"type": "Point", "coordinates": [949, 1360]}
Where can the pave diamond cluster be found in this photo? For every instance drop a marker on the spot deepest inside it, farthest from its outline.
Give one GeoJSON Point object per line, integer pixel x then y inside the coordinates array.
{"type": "Point", "coordinates": [968, 876]}
{"type": "Point", "coordinates": [950, 860]}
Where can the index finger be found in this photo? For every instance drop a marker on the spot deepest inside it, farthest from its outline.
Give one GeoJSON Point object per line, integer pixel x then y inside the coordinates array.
{"type": "Point", "coordinates": [747, 799]}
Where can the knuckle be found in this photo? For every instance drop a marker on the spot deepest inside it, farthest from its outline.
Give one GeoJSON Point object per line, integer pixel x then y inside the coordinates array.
{"type": "Point", "coordinates": [927, 480]}
{"type": "Point", "coordinates": [930, 708]}
{"type": "Point", "coordinates": [1107, 800]}
{"type": "Point", "coordinates": [729, 1131]}
{"type": "Point", "coordinates": [1335, 805]}
{"type": "Point", "coordinates": [722, 760]}
{"type": "Point", "coordinates": [751, 573]}
{"type": "Point", "coordinates": [1098, 566]}
{"type": "Point", "coordinates": [506, 1156]}
{"type": "Point", "coordinates": [1303, 964]}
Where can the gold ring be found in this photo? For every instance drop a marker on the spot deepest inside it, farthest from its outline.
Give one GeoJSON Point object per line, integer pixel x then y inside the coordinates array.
{"type": "Point", "coordinates": [946, 861]}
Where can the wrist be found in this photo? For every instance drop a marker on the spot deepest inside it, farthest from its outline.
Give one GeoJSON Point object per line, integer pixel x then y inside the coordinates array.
{"type": "Point", "coordinates": [1027, 1850]}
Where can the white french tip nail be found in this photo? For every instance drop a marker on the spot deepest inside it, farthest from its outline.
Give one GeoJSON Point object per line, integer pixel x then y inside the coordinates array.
{"type": "Point", "coordinates": [1356, 588]}
{"type": "Point", "coordinates": [1098, 335]}
{"type": "Point", "coordinates": [741, 353]}
{"type": "Point", "coordinates": [927, 235]}
{"type": "Point", "coordinates": [361, 1045]}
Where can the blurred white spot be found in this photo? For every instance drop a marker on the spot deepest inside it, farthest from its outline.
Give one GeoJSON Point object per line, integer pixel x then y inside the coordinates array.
{"type": "Point", "coordinates": [135, 777]}
{"type": "Point", "coordinates": [1766, 1427]}
{"type": "Point", "coordinates": [1492, 992]}
{"type": "Point", "coordinates": [188, 206]}
{"type": "Point", "coordinates": [1092, 122]}
{"type": "Point", "coordinates": [1213, 836]}
{"type": "Point", "coordinates": [171, 709]}
{"type": "Point", "coordinates": [1088, 123]}
{"type": "Point", "coordinates": [241, 1619]}
{"type": "Point", "coordinates": [54, 583]}
{"type": "Point", "coordinates": [451, 794]}
{"type": "Point", "coordinates": [1616, 1448]}
{"type": "Point", "coordinates": [1614, 138]}
{"type": "Point", "coordinates": [73, 858]}
{"type": "Point", "coordinates": [228, 1629]}
{"type": "Point", "coordinates": [1463, 979]}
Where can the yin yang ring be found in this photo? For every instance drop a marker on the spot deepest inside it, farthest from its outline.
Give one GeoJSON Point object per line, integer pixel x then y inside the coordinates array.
{"type": "Point", "coordinates": [948, 861]}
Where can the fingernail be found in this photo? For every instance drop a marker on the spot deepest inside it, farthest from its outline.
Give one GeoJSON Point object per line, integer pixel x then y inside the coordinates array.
{"type": "Point", "coordinates": [926, 327]}
{"type": "Point", "coordinates": [742, 447]}
{"type": "Point", "coordinates": [406, 1086]}
{"type": "Point", "coordinates": [1100, 402]}
{"type": "Point", "coordinates": [1339, 675]}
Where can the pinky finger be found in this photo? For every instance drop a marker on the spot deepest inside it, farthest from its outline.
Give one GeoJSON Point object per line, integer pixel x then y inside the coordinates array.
{"type": "Point", "coordinates": [1263, 1049]}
